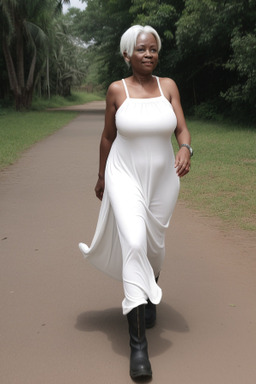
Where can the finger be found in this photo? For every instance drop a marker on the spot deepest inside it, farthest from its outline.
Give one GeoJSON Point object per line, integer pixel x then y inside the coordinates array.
{"type": "Point", "coordinates": [182, 166]}
{"type": "Point", "coordinates": [178, 164]}
{"type": "Point", "coordinates": [184, 171]}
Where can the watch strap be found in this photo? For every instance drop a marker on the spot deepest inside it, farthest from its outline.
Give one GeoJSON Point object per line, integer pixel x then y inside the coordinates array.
{"type": "Point", "coordinates": [188, 147]}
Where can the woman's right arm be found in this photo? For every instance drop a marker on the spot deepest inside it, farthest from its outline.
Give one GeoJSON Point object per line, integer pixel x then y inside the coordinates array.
{"type": "Point", "coordinates": [107, 138]}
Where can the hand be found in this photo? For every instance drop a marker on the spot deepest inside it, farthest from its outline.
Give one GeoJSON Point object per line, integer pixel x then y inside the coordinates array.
{"type": "Point", "coordinates": [182, 162]}
{"type": "Point", "coordinates": [99, 188]}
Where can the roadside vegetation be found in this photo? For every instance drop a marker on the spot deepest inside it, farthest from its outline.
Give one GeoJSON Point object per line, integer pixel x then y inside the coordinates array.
{"type": "Point", "coordinates": [76, 98]}
{"type": "Point", "coordinates": [222, 180]}
{"type": "Point", "coordinates": [19, 131]}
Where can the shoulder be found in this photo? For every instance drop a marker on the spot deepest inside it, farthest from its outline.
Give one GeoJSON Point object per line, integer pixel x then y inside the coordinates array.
{"type": "Point", "coordinates": [115, 88]}
{"type": "Point", "coordinates": [169, 87]}
{"type": "Point", "coordinates": [116, 94]}
{"type": "Point", "coordinates": [167, 82]}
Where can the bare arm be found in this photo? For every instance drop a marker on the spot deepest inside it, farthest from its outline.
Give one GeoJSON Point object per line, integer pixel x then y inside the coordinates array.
{"type": "Point", "coordinates": [182, 160]}
{"type": "Point", "coordinates": [107, 138]}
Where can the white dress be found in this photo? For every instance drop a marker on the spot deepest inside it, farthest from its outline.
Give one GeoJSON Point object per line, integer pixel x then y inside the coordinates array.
{"type": "Point", "coordinates": [141, 190]}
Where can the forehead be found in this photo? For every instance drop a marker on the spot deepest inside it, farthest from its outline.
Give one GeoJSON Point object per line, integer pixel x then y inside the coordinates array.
{"type": "Point", "coordinates": [146, 38]}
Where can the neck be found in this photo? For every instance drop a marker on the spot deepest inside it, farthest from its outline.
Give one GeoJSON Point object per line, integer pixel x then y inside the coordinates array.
{"type": "Point", "coordinates": [142, 79]}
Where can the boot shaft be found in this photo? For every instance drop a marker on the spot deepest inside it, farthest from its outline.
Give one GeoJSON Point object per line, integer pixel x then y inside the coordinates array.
{"type": "Point", "coordinates": [136, 321]}
{"type": "Point", "coordinates": [139, 362]}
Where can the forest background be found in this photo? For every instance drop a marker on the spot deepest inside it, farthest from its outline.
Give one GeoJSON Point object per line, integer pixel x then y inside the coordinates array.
{"type": "Point", "coordinates": [209, 49]}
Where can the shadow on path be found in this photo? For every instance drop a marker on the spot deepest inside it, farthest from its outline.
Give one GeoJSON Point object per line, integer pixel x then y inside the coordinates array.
{"type": "Point", "coordinates": [114, 325]}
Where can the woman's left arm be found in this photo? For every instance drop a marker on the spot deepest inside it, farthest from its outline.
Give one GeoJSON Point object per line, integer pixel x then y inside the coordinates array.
{"type": "Point", "coordinates": [182, 160]}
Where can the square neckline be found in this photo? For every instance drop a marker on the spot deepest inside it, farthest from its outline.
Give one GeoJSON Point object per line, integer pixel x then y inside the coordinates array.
{"type": "Point", "coordinates": [143, 98]}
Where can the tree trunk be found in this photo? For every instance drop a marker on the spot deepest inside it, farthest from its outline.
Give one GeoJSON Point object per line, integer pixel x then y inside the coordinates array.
{"type": "Point", "coordinates": [20, 56]}
{"type": "Point", "coordinates": [24, 100]}
{"type": "Point", "coordinates": [10, 68]}
{"type": "Point", "coordinates": [48, 77]}
{"type": "Point", "coordinates": [30, 80]}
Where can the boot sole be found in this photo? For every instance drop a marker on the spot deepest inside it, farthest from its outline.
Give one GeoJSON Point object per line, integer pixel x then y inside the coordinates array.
{"type": "Point", "coordinates": [141, 374]}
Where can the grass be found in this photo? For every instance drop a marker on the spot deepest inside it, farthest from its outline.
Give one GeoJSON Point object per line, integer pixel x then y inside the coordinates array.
{"type": "Point", "coordinates": [76, 98]}
{"type": "Point", "coordinates": [222, 180]}
{"type": "Point", "coordinates": [18, 131]}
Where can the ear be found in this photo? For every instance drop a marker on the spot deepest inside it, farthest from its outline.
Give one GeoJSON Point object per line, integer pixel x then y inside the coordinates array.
{"type": "Point", "coordinates": [126, 57]}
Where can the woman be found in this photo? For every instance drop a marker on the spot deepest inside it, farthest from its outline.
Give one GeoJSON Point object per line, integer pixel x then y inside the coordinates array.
{"type": "Point", "coordinates": [138, 184]}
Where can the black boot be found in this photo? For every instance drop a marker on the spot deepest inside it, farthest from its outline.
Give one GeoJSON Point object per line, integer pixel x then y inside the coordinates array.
{"type": "Point", "coordinates": [150, 313]}
{"type": "Point", "coordinates": [139, 362]}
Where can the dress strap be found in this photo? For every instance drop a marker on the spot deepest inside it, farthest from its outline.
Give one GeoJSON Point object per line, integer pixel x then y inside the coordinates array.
{"type": "Point", "coordinates": [159, 86]}
{"type": "Point", "coordinates": [126, 90]}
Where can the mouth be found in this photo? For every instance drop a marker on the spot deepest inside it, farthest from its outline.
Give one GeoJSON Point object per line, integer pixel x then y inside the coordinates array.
{"type": "Point", "coordinates": [147, 62]}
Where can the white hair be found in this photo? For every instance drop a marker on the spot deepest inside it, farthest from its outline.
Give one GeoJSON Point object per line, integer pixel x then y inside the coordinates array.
{"type": "Point", "coordinates": [129, 38]}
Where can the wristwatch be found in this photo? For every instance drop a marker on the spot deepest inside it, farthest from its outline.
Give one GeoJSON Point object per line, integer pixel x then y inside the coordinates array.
{"type": "Point", "coordinates": [189, 148]}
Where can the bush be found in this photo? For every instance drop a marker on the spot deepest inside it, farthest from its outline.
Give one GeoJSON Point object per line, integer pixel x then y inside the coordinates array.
{"type": "Point", "coordinates": [206, 111]}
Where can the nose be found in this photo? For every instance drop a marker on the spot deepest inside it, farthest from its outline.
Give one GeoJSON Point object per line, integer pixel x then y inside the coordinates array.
{"type": "Point", "coordinates": [148, 53]}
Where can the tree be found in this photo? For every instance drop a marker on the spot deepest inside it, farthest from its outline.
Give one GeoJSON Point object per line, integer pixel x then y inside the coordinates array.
{"type": "Point", "coordinates": [242, 93]}
{"type": "Point", "coordinates": [101, 25]}
{"type": "Point", "coordinates": [68, 61]}
{"type": "Point", "coordinates": [207, 41]}
{"type": "Point", "coordinates": [243, 62]}
{"type": "Point", "coordinates": [24, 28]}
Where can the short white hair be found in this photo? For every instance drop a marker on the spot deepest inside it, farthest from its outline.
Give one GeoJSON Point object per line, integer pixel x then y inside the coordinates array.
{"type": "Point", "coordinates": [129, 38]}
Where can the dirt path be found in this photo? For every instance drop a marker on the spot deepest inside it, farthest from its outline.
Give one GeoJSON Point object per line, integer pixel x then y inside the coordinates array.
{"type": "Point", "coordinates": [61, 320]}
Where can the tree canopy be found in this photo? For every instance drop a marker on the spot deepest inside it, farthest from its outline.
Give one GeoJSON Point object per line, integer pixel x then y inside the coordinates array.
{"type": "Point", "coordinates": [208, 48]}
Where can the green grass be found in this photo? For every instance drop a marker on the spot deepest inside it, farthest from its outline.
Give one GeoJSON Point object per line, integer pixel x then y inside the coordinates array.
{"type": "Point", "coordinates": [76, 98]}
{"type": "Point", "coordinates": [19, 130]}
{"type": "Point", "coordinates": [222, 180]}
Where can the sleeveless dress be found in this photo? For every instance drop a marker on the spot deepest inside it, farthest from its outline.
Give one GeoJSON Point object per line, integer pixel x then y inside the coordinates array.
{"type": "Point", "coordinates": [141, 190]}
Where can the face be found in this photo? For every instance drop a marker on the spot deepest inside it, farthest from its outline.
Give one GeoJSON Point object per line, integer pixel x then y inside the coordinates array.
{"type": "Point", "coordinates": [145, 55]}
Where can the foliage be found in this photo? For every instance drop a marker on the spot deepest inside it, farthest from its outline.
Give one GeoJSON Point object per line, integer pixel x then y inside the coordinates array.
{"type": "Point", "coordinates": [22, 36]}
{"type": "Point", "coordinates": [206, 111]}
{"type": "Point", "coordinates": [67, 61]}
{"type": "Point", "coordinates": [39, 53]}
{"type": "Point", "coordinates": [100, 27]}
{"type": "Point", "coordinates": [161, 15]}
{"type": "Point", "coordinates": [208, 46]}
{"type": "Point", "coordinates": [76, 98]}
{"type": "Point", "coordinates": [242, 61]}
